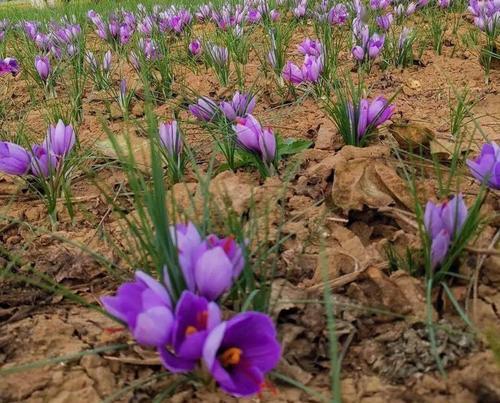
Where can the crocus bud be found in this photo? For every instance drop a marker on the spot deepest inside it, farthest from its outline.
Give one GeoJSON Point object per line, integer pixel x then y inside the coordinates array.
{"type": "Point", "coordinates": [310, 47]}
{"type": "Point", "coordinates": [486, 167]}
{"type": "Point", "coordinates": [292, 73]}
{"type": "Point", "coordinates": [60, 139]}
{"type": "Point", "coordinates": [443, 223]}
{"type": "Point", "coordinates": [204, 109]}
{"type": "Point", "coordinates": [170, 138]}
{"type": "Point", "coordinates": [385, 21]}
{"type": "Point", "coordinates": [14, 159]}
{"type": "Point", "coordinates": [375, 45]}
{"type": "Point", "coordinates": [275, 15]}
{"type": "Point", "coordinates": [195, 47]}
{"type": "Point", "coordinates": [9, 65]}
{"type": "Point", "coordinates": [145, 307]}
{"type": "Point", "coordinates": [43, 162]}
{"type": "Point", "coordinates": [358, 53]}
{"type": "Point", "coordinates": [42, 65]}
{"type": "Point", "coordinates": [106, 61]}
{"type": "Point", "coordinates": [252, 137]}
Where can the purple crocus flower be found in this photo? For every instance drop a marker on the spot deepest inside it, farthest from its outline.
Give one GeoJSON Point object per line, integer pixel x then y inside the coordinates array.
{"type": "Point", "coordinates": [195, 317]}
{"type": "Point", "coordinates": [371, 115]}
{"type": "Point", "coordinates": [42, 65]}
{"type": "Point", "coordinates": [385, 21]}
{"type": "Point", "coordinates": [253, 16]}
{"type": "Point", "coordinates": [312, 68]}
{"type": "Point", "coordinates": [338, 14]}
{"type": "Point", "coordinates": [253, 138]}
{"type": "Point", "coordinates": [240, 352]}
{"type": "Point", "coordinates": [240, 106]}
{"type": "Point", "coordinates": [486, 167]}
{"type": "Point", "coordinates": [195, 47]}
{"type": "Point", "coordinates": [125, 34]}
{"type": "Point", "coordinates": [310, 47]}
{"type": "Point", "coordinates": [205, 109]}
{"type": "Point", "coordinates": [444, 3]}
{"type": "Point", "coordinates": [9, 65]}
{"type": "Point", "coordinates": [292, 73]}
{"type": "Point", "coordinates": [358, 53]}
{"type": "Point", "coordinates": [145, 307]}
{"type": "Point", "coordinates": [170, 138]}
{"type": "Point", "coordinates": [14, 159]}
{"type": "Point", "coordinates": [379, 4]}
{"type": "Point", "coordinates": [443, 223]}
{"type": "Point", "coordinates": [60, 139]}
{"type": "Point", "coordinates": [149, 49]}
{"type": "Point", "coordinates": [375, 45]}
{"type": "Point", "coordinates": [275, 15]}
{"type": "Point", "coordinates": [43, 161]}
{"type": "Point", "coordinates": [106, 61]}
{"type": "Point", "coordinates": [300, 10]}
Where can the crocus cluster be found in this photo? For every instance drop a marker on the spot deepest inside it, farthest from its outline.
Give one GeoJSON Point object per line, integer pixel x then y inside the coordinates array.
{"type": "Point", "coordinates": [312, 67]}
{"type": "Point", "coordinates": [486, 167]}
{"type": "Point", "coordinates": [252, 137]}
{"type": "Point", "coordinates": [239, 106]}
{"type": "Point", "coordinates": [486, 15]}
{"type": "Point", "coordinates": [119, 28]}
{"type": "Point", "coordinates": [9, 65]}
{"type": "Point", "coordinates": [367, 116]}
{"type": "Point", "coordinates": [367, 46]}
{"type": "Point", "coordinates": [43, 159]}
{"type": "Point", "coordinates": [443, 223]}
{"type": "Point", "coordinates": [237, 353]}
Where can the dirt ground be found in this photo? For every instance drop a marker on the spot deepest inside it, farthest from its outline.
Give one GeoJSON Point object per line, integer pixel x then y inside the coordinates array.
{"type": "Point", "coordinates": [355, 199]}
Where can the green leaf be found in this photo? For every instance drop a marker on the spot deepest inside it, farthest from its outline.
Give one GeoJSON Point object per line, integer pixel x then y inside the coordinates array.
{"type": "Point", "coordinates": [290, 146]}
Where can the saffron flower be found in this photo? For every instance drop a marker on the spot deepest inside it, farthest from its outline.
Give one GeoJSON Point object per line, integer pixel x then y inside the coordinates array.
{"type": "Point", "coordinates": [252, 137]}
{"type": "Point", "coordinates": [240, 352]}
{"type": "Point", "coordinates": [42, 65]}
{"type": "Point", "coordinates": [443, 223]}
{"type": "Point", "coordinates": [373, 114]}
{"type": "Point", "coordinates": [310, 47]}
{"type": "Point", "coordinates": [195, 317]}
{"type": "Point", "coordinates": [486, 167]}
{"type": "Point", "coordinates": [60, 139]}
{"type": "Point", "coordinates": [195, 47]}
{"type": "Point", "coordinates": [43, 161]}
{"type": "Point", "coordinates": [9, 65]}
{"type": "Point", "coordinates": [338, 14]}
{"type": "Point", "coordinates": [312, 68]}
{"type": "Point", "coordinates": [292, 73]}
{"type": "Point", "coordinates": [209, 266]}
{"type": "Point", "coordinates": [384, 22]}
{"type": "Point", "coordinates": [170, 138]}
{"type": "Point", "coordinates": [205, 109]}
{"type": "Point", "coordinates": [145, 307]}
{"type": "Point", "coordinates": [14, 159]}
{"type": "Point", "coordinates": [240, 106]}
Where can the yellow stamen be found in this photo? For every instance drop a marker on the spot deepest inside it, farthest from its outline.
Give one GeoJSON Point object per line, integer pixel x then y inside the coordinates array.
{"type": "Point", "coordinates": [232, 356]}
{"type": "Point", "coordinates": [190, 330]}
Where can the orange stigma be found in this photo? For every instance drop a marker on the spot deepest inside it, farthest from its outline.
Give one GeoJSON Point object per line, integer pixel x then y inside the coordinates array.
{"type": "Point", "coordinates": [190, 330]}
{"type": "Point", "coordinates": [202, 320]}
{"type": "Point", "coordinates": [232, 356]}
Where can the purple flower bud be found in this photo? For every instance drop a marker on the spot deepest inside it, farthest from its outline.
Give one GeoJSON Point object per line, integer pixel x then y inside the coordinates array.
{"type": "Point", "coordinates": [195, 47]}
{"type": "Point", "coordinates": [292, 73]}
{"type": "Point", "coordinates": [338, 14]}
{"type": "Point", "coordinates": [375, 45]}
{"type": "Point", "coordinates": [252, 137]}
{"type": "Point", "coordinates": [195, 317]}
{"type": "Point", "coordinates": [43, 161]}
{"type": "Point", "coordinates": [205, 109]}
{"type": "Point", "coordinates": [106, 61]}
{"type": "Point", "coordinates": [42, 65]}
{"type": "Point", "coordinates": [275, 15]}
{"type": "Point", "coordinates": [412, 7]}
{"type": "Point", "coordinates": [170, 138]}
{"type": "Point", "coordinates": [310, 47]}
{"type": "Point", "coordinates": [9, 65]}
{"type": "Point", "coordinates": [486, 167]}
{"type": "Point", "coordinates": [358, 53]}
{"type": "Point", "coordinates": [14, 159]}
{"type": "Point", "coordinates": [253, 16]}
{"type": "Point", "coordinates": [443, 223]}
{"type": "Point", "coordinates": [125, 34]}
{"type": "Point", "coordinates": [238, 353]}
{"type": "Point", "coordinates": [240, 106]}
{"type": "Point", "coordinates": [312, 68]}
{"type": "Point", "coordinates": [60, 139]}
{"type": "Point", "coordinates": [145, 307]}
{"type": "Point", "coordinates": [385, 21]}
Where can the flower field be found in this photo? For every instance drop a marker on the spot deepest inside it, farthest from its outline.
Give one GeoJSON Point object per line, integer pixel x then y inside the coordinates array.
{"type": "Point", "coordinates": [276, 201]}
